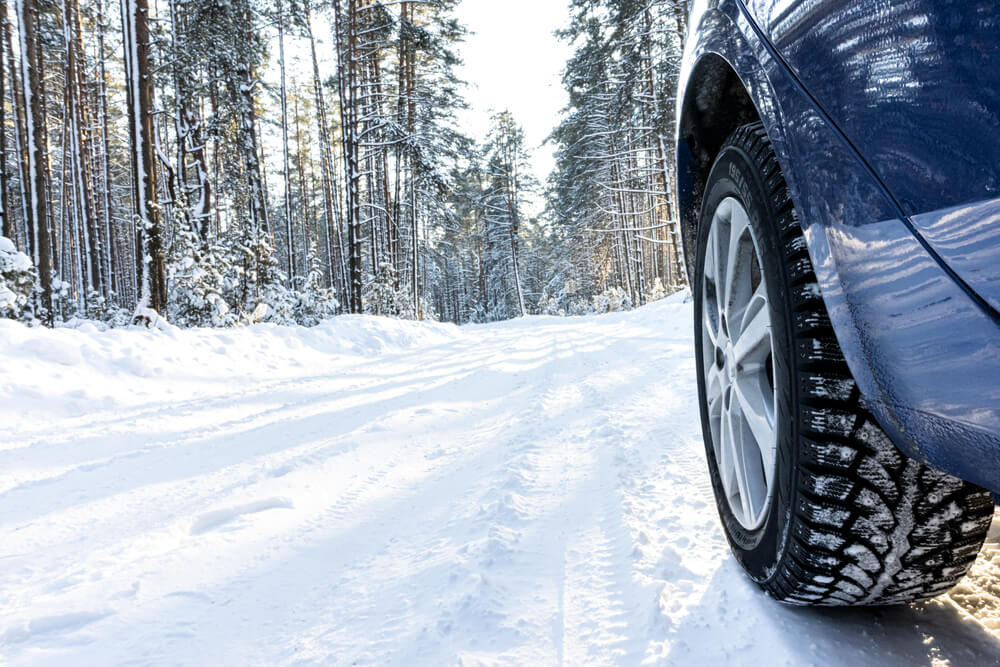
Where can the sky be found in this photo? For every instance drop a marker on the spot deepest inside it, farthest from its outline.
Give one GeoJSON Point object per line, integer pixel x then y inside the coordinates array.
{"type": "Point", "coordinates": [514, 62]}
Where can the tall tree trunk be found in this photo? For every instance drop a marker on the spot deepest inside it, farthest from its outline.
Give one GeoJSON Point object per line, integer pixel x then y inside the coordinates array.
{"type": "Point", "coordinates": [401, 107]}
{"type": "Point", "coordinates": [41, 95]}
{"type": "Point", "coordinates": [513, 195]}
{"type": "Point", "coordinates": [262, 174]}
{"type": "Point", "coordinates": [409, 97]}
{"type": "Point", "coordinates": [306, 213]}
{"type": "Point", "coordinates": [347, 78]}
{"type": "Point", "coordinates": [290, 238]}
{"type": "Point", "coordinates": [330, 199]}
{"type": "Point", "coordinates": [7, 222]}
{"type": "Point", "coordinates": [84, 151]}
{"type": "Point", "coordinates": [152, 280]}
{"type": "Point", "coordinates": [681, 15]}
{"type": "Point", "coordinates": [190, 139]}
{"type": "Point", "coordinates": [379, 174]}
{"type": "Point", "coordinates": [112, 283]}
{"type": "Point", "coordinates": [242, 92]}
{"type": "Point", "coordinates": [37, 209]}
{"type": "Point", "coordinates": [213, 100]}
{"type": "Point", "coordinates": [77, 134]}
{"type": "Point", "coordinates": [179, 76]}
{"type": "Point", "coordinates": [515, 264]}
{"type": "Point", "coordinates": [20, 138]}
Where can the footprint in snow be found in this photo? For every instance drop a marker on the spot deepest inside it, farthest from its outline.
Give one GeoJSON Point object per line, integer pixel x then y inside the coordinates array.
{"type": "Point", "coordinates": [218, 518]}
{"type": "Point", "coordinates": [51, 627]}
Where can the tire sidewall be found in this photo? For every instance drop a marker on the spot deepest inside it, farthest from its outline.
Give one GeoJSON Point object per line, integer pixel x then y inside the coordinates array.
{"type": "Point", "coordinates": [736, 174]}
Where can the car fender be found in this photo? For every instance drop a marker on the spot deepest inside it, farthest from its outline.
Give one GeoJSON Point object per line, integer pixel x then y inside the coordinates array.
{"type": "Point", "coordinates": [924, 353]}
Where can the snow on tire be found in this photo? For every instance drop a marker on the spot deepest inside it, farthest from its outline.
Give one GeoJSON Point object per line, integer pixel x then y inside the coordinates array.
{"type": "Point", "coordinates": [847, 519]}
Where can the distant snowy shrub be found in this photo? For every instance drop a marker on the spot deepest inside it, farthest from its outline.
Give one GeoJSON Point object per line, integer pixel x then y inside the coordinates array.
{"type": "Point", "coordinates": [276, 305]}
{"type": "Point", "coordinates": [314, 302]}
{"type": "Point", "coordinates": [566, 301]}
{"type": "Point", "coordinates": [64, 302]}
{"type": "Point", "coordinates": [147, 318]}
{"type": "Point", "coordinates": [656, 291]}
{"type": "Point", "coordinates": [17, 279]}
{"type": "Point", "coordinates": [238, 280]}
{"type": "Point", "coordinates": [384, 295]}
{"type": "Point", "coordinates": [612, 300]}
{"type": "Point", "coordinates": [548, 305]}
{"type": "Point", "coordinates": [101, 310]}
{"type": "Point", "coordinates": [258, 289]}
{"type": "Point", "coordinates": [197, 280]}
{"type": "Point", "coordinates": [569, 302]}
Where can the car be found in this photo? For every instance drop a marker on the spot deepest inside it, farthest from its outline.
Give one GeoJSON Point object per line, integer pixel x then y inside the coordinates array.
{"type": "Point", "coordinates": [838, 197]}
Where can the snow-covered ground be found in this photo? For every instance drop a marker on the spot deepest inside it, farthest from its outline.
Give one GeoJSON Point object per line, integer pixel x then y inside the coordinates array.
{"type": "Point", "coordinates": [381, 492]}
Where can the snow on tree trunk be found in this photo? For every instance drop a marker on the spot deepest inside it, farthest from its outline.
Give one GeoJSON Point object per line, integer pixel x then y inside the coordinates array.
{"type": "Point", "coordinates": [152, 278]}
{"type": "Point", "coordinates": [37, 210]}
{"type": "Point", "coordinates": [289, 235]}
{"type": "Point", "coordinates": [111, 283]}
{"type": "Point", "coordinates": [347, 83]}
{"type": "Point", "coordinates": [20, 147]}
{"type": "Point", "coordinates": [6, 221]}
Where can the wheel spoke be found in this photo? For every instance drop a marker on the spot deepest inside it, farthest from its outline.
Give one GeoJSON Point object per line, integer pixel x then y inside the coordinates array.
{"type": "Point", "coordinates": [753, 342]}
{"type": "Point", "coordinates": [727, 458]}
{"type": "Point", "coordinates": [739, 461]}
{"type": "Point", "coordinates": [714, 389]}
{"type": "Point", "coordinates": [755, 413]}
{"type": "Point", "coordinates": [711, 329]}
{"type": "Point", "coordinates": [720, 229]}
{"type": "Point", "coordinates": [734, 260]}
{"type": "Point", "coordinates": [712, 309]}
{"type": "Point", "coordinates": [712, 257]}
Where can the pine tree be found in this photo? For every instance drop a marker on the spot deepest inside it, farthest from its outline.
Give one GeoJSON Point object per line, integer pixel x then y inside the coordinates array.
{"type": "Point", "coordinates": [507, 184]}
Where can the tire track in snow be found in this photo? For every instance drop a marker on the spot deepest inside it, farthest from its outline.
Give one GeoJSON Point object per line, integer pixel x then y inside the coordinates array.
{"type": "Point", "coordinates": [530, 493]}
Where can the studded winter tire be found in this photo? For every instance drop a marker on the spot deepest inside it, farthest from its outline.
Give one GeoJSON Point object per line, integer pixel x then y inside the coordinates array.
{"type": "Point", "coordinates": [817, 503]}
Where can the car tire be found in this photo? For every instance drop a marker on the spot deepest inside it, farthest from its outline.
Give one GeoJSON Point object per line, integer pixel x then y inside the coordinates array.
{"type": "Point", "coordinates": [843, 517]}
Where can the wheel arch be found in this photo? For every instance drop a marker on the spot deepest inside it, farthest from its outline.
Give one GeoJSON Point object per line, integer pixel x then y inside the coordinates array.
{"type": "Point", "coordinates": [715, 104]}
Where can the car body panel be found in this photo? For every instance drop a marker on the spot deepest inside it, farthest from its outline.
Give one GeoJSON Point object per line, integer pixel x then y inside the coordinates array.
{"type": "Point", "coordinates": [914, 86]}
{"type": "Point", "coordinates": [912, 83]}
{"type": "Point", "coordinates": [924, 351]}
{"type": "Point", "coordinates": [967, 238]}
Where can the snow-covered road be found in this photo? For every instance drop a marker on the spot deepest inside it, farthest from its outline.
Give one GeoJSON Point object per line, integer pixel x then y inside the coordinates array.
{"type": "Point", "coordinates": [380, 492]}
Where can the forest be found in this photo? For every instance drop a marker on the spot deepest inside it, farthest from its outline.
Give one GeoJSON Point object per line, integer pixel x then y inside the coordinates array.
{"type": "Point", "coordinates": [213, 163]}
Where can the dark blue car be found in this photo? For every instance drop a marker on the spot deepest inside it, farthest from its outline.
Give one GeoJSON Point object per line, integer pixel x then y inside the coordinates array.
{"type": "Point", "coordinates": [838, 190]}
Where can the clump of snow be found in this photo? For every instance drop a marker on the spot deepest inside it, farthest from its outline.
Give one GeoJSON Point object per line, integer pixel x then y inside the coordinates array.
{"type": "Point", "coordinates": [17, 279]}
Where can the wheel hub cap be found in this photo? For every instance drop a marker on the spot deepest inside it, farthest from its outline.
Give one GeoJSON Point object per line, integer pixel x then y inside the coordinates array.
{"type": "Point", "coordinates": [739, 365]}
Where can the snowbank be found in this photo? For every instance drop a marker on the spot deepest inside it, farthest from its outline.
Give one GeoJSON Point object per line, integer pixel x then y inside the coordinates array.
{"type": "Point", "coordinates": [46, 373]}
